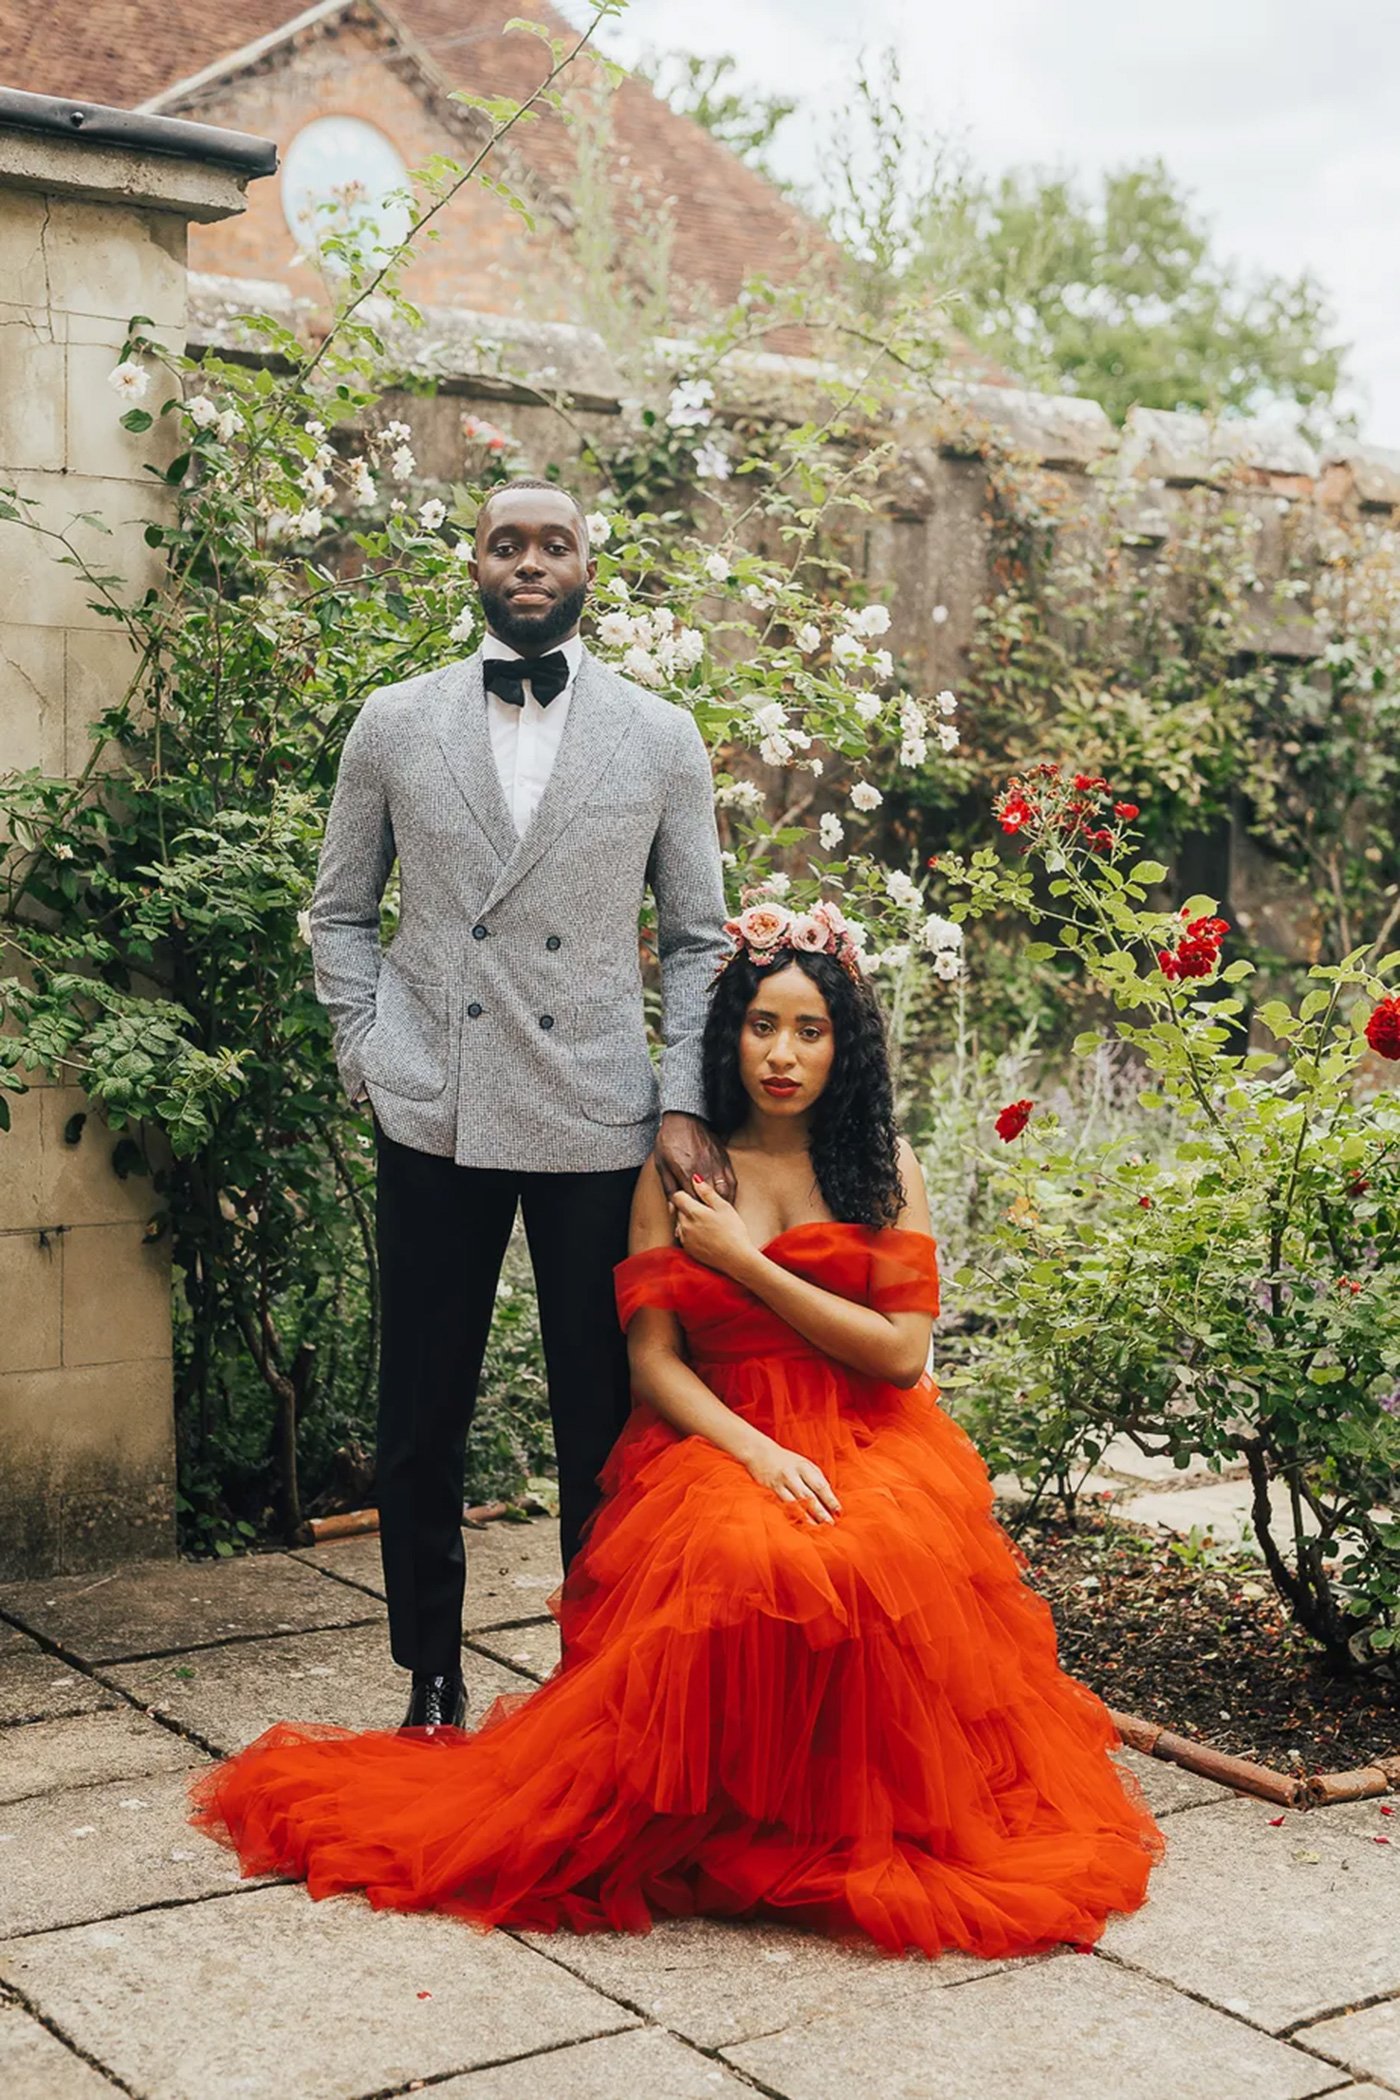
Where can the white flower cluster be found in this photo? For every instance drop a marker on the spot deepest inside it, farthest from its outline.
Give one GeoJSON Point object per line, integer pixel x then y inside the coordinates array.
{"type": "Point", "coordinates": [655, 646]}
{"type": "Point", "coordinates": [463, 627]}
{"type": "Point", "coordinates": [913, 731]}
{"type": "Point", "coordinates": [599, 528]}
{"type": "Point", "coordinates": [716, 567]}
{"type": "Point", "coordinates": [207, 415]}
{"type": "Point", "coordinates": [711, 461]}
{"type": "Point", "coordinates": [944, 939]}
{"type": "Point", "coordinates": [395, 440]}
{"type": "Point", "coordinates": [739, 794]}
{"type": "Point", "coordinates": [780, 739]}
{"type": "Point", "coordinates": [868, 621]}
{"type": "Point", "coordinates": [830, 831]}
{"type": "Point", "coordinates": [689, 407]}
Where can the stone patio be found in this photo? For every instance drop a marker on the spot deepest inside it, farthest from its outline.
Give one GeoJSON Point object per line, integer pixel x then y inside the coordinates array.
{"type": "Point", "coordinates": [1265, 1966]}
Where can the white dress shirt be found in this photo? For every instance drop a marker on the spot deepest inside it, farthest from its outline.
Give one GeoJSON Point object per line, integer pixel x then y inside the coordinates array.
{"type": "Point", "coordinates": [525, 740]}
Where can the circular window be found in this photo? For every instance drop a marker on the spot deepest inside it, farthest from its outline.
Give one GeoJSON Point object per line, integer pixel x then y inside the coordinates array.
{"type": "Point", "coordinates": [341, 177]}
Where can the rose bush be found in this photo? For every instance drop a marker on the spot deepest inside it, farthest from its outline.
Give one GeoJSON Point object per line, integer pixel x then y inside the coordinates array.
{"type": "Point", "coordinates": [1228, 1284]}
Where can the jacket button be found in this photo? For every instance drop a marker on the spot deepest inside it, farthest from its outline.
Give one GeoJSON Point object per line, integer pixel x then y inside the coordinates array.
{"type": "Point", "coordinates": [479, 933]}
{"type": "Point", "coordinates": [546, 1020]}
{"type": "Point", "coordinates": [553, 942]}
{"type": "Point", "coordinates": [474, 1010]}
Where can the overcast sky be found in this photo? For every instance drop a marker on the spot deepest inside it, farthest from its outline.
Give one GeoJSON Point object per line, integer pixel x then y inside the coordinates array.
{"type": "Point", "coordinates": [1280, 115]}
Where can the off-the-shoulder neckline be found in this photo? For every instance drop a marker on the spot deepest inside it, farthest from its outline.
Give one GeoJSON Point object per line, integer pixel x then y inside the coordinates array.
{"type": "Point", "coordinates": [815, 1225]}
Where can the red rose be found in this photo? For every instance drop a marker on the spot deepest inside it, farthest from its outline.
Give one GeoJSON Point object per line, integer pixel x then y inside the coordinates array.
{"type": "Point", "coordinates": [1128, 811]}
{"type": "Point", "coordinates": [1087, 782]}
{"type": "Point", "coordinates": [1013, 1120]}
{"type": "Point", "coordinates": [1357, 1186]}
{"type": "Point", "coordinates": [1015, 811]}
{"type": "Point", "coordinates": [1383, 1029]}
{"type": "Point", "coordinates": [1144, 1203]}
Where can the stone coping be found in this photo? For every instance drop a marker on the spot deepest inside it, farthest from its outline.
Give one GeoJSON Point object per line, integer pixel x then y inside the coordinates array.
{"type": "Point", "coordinates": [124, 158]}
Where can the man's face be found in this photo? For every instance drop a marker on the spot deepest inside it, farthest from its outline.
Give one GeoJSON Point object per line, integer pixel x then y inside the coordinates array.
{"type": "Point", "coordinates": [532, 568]}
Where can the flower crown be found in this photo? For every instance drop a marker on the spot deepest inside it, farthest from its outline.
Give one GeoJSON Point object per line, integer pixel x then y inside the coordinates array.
{"type": "Point", "coordinates": [765, 931]}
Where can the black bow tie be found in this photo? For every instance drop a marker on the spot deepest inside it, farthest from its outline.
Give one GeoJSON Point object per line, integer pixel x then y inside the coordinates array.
{"type": "Point", "coordinates": [547, 675]}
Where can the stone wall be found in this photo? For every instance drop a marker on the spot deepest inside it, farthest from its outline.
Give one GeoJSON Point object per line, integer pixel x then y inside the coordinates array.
{"type": "Point", "coordinates": [91, 233]}
{"type": "Point", "coordinates": [927, 542]}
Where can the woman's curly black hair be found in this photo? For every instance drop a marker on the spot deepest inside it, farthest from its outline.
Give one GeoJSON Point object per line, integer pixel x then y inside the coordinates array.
{"type": "Point", "coordinates": [854, 1140]}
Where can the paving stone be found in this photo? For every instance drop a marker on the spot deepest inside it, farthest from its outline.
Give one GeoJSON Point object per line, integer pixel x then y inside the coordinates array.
{"type": "Point", "coordinates": [1221, 1506]}
{"type": "Point", "coordinates": [1059, 2029]}
{"type": "Point", "coordinates": [85, 1750]}
{"type": "Point", "coordinates": [533, 1649]}
{"type": "Point", "coordinates": [1123, 1456]}
{"type": "Point", "coordinates": [37, 1686]}
{"type": "Point", "coordinates": [1167, 1786]}
{"type": "Point", "coordinates": [157, 1607]}
{"type": "Point", "coordinates": [91, 1851]}
{"type": "Point", "coordinates": [232, 1997]}
{"type": "Point", "coordinates": [716, 1982]}
{"type": "Point", "coordinates": [1366, 2042]}
{"type": "Point", "coordinates": [348, 1678]}
{"type": "Point", "coordinates": [645, 2063]}
{"type": "Point", "coordinates": [512, 1569]}
{"type": "Point", "coordinates": [1278, 1932]}
{"type": "Point", "coordinates": [36, 2066]}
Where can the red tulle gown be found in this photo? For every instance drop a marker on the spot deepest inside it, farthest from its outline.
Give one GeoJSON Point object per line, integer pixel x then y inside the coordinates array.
{"type": "Point", "coordinates": [860, 1727]}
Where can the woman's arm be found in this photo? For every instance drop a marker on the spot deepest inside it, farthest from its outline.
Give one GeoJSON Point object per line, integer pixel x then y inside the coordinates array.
{"type": "Point", "coordinates": [662, 1377]}
{"type": "Point", "coordinates": [889, 1346]}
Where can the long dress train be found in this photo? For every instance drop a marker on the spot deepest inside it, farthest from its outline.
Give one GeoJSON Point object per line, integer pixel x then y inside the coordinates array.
{"type": "Point", "coordinates": [860, 1727]}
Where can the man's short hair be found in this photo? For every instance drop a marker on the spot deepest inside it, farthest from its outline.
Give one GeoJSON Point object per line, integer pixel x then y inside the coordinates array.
{"type": "Point", "coordinates": [535, 481]}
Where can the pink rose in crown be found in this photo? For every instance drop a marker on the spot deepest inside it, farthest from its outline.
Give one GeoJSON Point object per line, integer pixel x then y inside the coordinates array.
{"type": "Point", "coordinates": [763, 926]}
{"type": "Point", "coordinates": [833, 917]}
{"type": "Point", "coordinates": [809, 930]}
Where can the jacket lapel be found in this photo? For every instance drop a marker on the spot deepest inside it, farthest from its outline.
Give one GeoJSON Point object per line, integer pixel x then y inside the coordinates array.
{"type": "Point", "coordinates": [600, 714]}
{"type": "Point", "coordinates": [460, 726]}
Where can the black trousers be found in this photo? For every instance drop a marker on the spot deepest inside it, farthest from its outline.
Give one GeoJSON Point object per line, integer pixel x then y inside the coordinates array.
{"type": "Point", "coordinates": [441, 1235]}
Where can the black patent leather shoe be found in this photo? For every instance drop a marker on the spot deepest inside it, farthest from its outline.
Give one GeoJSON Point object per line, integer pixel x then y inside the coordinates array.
{"type": "Point", "coordinates": [437, 1702]}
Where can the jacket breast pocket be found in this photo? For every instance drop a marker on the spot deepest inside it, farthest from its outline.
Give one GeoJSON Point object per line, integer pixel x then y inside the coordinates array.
{"type": "Point", "coordinates": [405, 1051]}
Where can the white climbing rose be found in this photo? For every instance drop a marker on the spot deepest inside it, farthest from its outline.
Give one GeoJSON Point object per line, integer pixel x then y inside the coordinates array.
{"type": "Point", "coordinates": [129, 381]}
{"type": "Point", "coordinates": [865, 797]}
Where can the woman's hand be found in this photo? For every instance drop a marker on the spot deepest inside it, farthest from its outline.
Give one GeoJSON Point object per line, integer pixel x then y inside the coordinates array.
{"type": "Point", "coordinates": [795, 1479]}
{"type": "Point", "coordinates": [711, 1229]}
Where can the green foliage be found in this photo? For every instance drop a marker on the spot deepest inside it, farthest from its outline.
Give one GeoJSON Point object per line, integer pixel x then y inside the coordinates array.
{"type": "Point", "coordinates": [709, 91]}
{"type": "Point", "coordinates": [1231, 1286]}
{"type": "Point", "coordinates": [1119, 297]}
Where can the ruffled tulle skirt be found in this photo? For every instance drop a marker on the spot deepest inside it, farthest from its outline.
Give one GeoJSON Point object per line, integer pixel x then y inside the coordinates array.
{"type": "Point", "coordinates": [859, 1727]}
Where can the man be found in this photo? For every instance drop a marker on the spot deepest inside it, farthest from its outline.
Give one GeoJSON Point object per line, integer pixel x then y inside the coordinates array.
{"type": "Point", "coordinates": [528, 794]}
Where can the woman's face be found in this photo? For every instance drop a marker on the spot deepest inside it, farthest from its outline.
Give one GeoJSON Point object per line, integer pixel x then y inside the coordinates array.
{"type": "Point", "coordinates": [787, 1043]}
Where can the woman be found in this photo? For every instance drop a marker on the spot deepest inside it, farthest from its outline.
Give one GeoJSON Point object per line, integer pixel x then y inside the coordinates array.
{"type": "Point", "coordinates": [801, 1675]}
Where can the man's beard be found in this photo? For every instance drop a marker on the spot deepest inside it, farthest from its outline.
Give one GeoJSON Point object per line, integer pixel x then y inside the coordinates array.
{"type": "Point", "coordinates": [533, 632]}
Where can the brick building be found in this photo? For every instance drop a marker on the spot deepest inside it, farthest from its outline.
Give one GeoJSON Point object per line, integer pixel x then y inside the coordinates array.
{"type": "Point", "coordinates": [354, 91]}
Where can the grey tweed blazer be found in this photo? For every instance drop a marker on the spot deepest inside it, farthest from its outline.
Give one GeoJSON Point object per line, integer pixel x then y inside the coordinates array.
{"type": "Point", "coordinates": [503, 1025]}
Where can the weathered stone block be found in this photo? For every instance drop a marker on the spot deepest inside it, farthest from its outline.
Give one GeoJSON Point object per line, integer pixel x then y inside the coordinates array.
{"type": "Point", "coordinates": [31, 696]}
{"type": "Point", "coordinates": [1322, 1899]}
{"type": "Point", "coordinates": [1060, 2029]}
{"type": "Point", "coordinates": [89, 1472]}
{"type": "Point", "coordinates": [99, 665]}
{"type": "Point", "coordinates": [106, 259]}
{"type": "Point", "coordinates": [644, 2063]}
{"type": "Point", "coordinates": [23, 265]}
{"type": "Point", "coordinates": [160, 1608]}
{"type": "Point", "coordinates": [34, 2065]}
{"type": "Point", "coordinates": [34, 365]}
{"type": "Point", "coordinates": [346, 1679]}
{"type": "Point", "coordinates": [116, 1295]}
{"type": "Point", "coordinates": [38, 1686]}
{"type": "Point", "coordinates": [78, 1185]}
{"type": "Point", "coordinates": [86, 1750]}
{"type": "Point", "coordinates": [97, 444]}
{"type": "Point", "coordinates": [57, 596]}
{"type": "Point", "coordinates": [31, 1293]}
{"type": "Point", "coordinates": [159, 1998]}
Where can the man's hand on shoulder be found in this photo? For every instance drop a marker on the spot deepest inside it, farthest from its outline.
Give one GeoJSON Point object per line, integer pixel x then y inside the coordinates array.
{"type": "Point", "coordinates": [686, 1146]}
